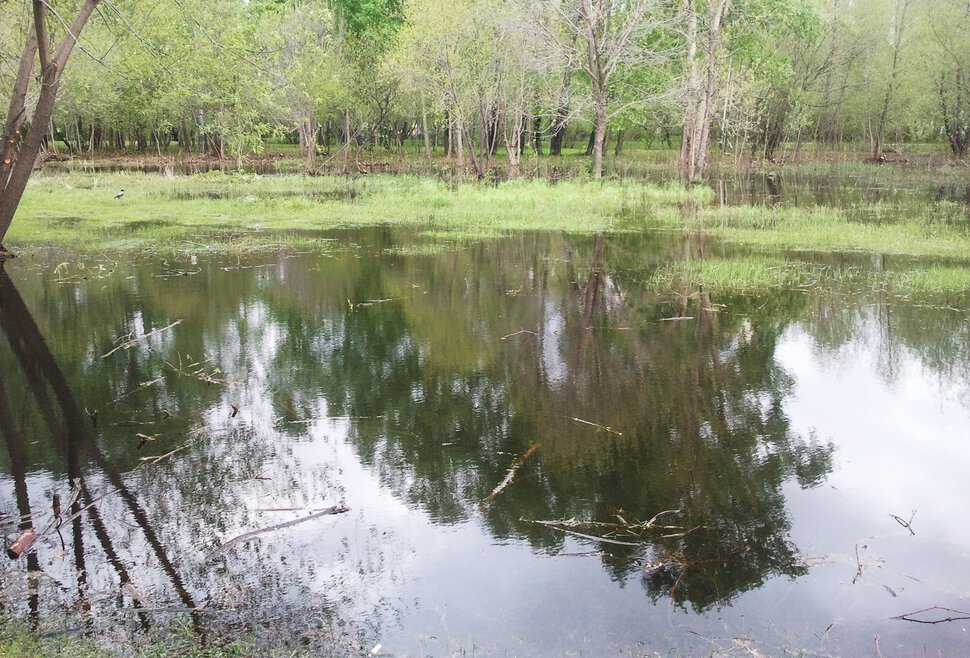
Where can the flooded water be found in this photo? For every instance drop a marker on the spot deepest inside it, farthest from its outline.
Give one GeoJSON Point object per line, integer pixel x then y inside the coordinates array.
{"type": "Point", "coordinates": [514, 448]}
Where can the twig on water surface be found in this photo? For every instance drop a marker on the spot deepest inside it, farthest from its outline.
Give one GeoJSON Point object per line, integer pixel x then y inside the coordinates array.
{"type": "Point", "coordinates": [585, 536]}
{"type": "Point", "coordinates": [129, 341]}
{"type": "Point", "coordinates": [518, 333]}
{"type": "Point", "coordinates": [605, 428]}
{"type": "Point", "coordinates": [906, 524]}
{"type": "Point", "coordinates": [154, 459]}
{"type": "Point", "coordinates": [634, 530]}
{"type": "Point", "coordinates": [516, 465]}
{"type": "Point", "coordinates": [27, 541]}
{"type": "Point", "coordinates": [199, 373]}
{"type": "Point", "coordinates": [140, 387]}
{"type": "Point", "coordinates": [172, 273]}
{"type": "Point", "coordinates": [369, 302]}
{"type": "Point", "coordinates": [679, 318]}
{"type": "Point", "coordinates": [858, 562]}
{"type": "Point", "coordinates": [909, 616]}
{"type": "Point", "coordinates": [241, 539]}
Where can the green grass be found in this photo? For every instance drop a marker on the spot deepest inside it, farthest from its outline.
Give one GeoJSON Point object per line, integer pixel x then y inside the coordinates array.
{"type": "Point", "coordinates": [227, 212]}
{"type": "Point", "coordinates": [742, 274]}
{"type": "Point", "coordinates": [236, 214]}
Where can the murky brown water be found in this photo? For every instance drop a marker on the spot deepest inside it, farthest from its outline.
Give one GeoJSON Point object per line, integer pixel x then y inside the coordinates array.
{"type": "Point", "coordinates": [502, 422]}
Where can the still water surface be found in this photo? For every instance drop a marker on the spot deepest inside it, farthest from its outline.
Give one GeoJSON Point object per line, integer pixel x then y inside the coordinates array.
{"type": "Point", "coordinates": [537, 453]}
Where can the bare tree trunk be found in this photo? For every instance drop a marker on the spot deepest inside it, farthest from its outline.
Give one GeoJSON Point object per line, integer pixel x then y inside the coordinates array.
{"type": "Point", "coordinates": [459, 144]}
{"type": "Point", "coordinates": [19, 165]}
{"type": "Point", "coordinates": [700, 97]}
{"type": "Point", "coordinates": [424, 131]}
{"type": "Point", "coordinates": [346, 139]}
{"type": "Point", "coordinates": [902, 7]}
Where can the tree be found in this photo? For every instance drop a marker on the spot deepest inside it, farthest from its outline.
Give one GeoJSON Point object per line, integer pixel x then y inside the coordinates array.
{"type": "Point", "coordinates": [897, 36]}
{"type": "Point", "coordinates": [606, 40]}
{"type": "Point", "coordinates": [704, 38]}
{"type": "Point", "coordinates": [947, 62]}
{"type": "Point", "coordinates": [16, 164]}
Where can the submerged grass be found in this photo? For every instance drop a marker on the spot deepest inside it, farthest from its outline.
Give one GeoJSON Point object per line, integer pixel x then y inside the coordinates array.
{"type": "Point", "coordinates": [241, 213]}
{"type": "Point", "coordinates": [79, 210]}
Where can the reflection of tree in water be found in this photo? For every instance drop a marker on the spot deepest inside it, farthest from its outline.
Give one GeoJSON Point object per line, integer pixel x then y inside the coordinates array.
{"type": "Point", "coordinates": [136, 538]}
{"type": "Point", "coordinates": [694, 410]}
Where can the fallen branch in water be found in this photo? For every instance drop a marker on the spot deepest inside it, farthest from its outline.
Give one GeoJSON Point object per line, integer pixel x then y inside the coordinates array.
{"type": "Point", "coordinates": [27, 541]}
{"type": "Point", "coordinates": [906, 524]}
{"type": "Point", "coordinates": [523, 331]}
{"type": "Point", "coordinates": [605, 428]}
{"type": "Point", "coordinates": [241, 539]}
{"type": "Point", "coordinates": [129, 341]}
{"type": "Point", "coordinates": [140, 387]}
{"type": "Point", "coordinates": [184, 370]}
{"type": "Point", "coordinates": [516, 465]}
{"type": "Point", "coordinates": [909, 615]}
{"type": "Point", "coordinates": [585, 536]}
{"type": "Point", "coordinates": [858, 562]}
{"type": "Point", "coordinates": [633, 530]}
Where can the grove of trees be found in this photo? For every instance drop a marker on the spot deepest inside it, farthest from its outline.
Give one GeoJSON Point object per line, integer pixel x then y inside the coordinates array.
{"type": "Point", "coordinates": [478, 81]}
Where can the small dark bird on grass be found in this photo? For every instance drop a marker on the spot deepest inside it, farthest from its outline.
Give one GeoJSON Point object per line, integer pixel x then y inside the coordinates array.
{"type": "Point", "coordinates": [120, 194]}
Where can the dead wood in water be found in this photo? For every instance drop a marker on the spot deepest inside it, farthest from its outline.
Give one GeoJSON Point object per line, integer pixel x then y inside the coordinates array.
{"type": "Point", "coordinates": [906, 524]}
{"type": "Point", "coordinates": [241, 539]}
{"type": "Point", "coordinates": [23, 544]}
{"type": "Point", "coordinates": [518, 333]}
{"type": "Point", "coordinates": [516, 465]}
{"type": "Point", "coordinates": [605, 428]}
{"type": "Point", "coordinates": [633, 531]}
{"type": "Point", "coordinates": [909, 616]}
{"type": "Point", "coordinates": [129, 341]}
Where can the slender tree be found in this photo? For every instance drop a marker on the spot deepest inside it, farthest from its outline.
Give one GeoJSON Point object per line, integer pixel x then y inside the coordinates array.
{"type": "Point", "coordinates": [16, 164]}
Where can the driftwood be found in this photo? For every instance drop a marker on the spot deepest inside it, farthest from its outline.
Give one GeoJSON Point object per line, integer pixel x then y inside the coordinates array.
{"type": "Point", "coordinates": [241, 539]}
{"type": "Point", "coordinates": [518, 333]}
{"type": "Point", "coordinates": [23, 544]}
{"type": "Point", "coordinates": [27, 540]}
{"type": "Point", "coordinates": [906, 524]}
{"type": "Point", "coordinates": [954, 615]}
{"type": "Point", "coordinates": [511, 473]}
{"type": "Point", "coordinates": [632, 530]}
{"type": "Point", "coordinates": [129, 341]}
{"type": "Point", "coordinates": [605, 428]}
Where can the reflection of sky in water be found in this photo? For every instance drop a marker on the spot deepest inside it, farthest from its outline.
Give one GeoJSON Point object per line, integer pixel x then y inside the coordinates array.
{"type": "Point", "coordinates": [422, 575]}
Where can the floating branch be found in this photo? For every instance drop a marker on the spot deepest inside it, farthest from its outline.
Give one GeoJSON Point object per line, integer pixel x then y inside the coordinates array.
{"type": "Point", "coordinates": [585, 536]}
{"type": "Point", "coordinates": [140, 387]}
{"type": "Point", "coordinates": [858, 562]}
{"type": "Point", "coordinates": [679, 318]}
{"type": "Point", "coordinates": [23, 544]}
{"type": "Point", "coordinates": [517, 333]}
{"type": "Point", "coordinates": [906, 524]}
{"type": "Point", "coordinates": [28, 539]}
{"type": "Point", "coordinates": [605, 428]}
{"type": "Point", "coordinates": [241, 539]}
{"type": "Point", "coordinates": [516, 465]}
{"type": "Point", "coordinates": [633, 530]}
{"type": "Point", "coordinates": [129, 341]}
{"type": "Point", "coordinates": [186, 370]}
{"type": "Point", "coordinates": [957, 615]}
{"type": "Point", "coordinates": [369, 302]}
{"type": "Point", "coordinates": [172, 273]}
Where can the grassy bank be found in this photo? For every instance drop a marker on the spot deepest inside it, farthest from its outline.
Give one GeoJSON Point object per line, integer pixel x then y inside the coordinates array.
{"type": "Point", "coordinates": [219, 213]}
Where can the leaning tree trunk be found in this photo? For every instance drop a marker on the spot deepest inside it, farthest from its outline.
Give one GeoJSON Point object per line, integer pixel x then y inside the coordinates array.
{"type": "Point", "coordinates": [16, 166]}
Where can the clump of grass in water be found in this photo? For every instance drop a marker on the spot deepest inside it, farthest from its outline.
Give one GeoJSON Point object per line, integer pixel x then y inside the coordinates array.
{"type": "Point", "coordinates": [169, 211]}
{"type": "Point", "coordinates": [743, 274]}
